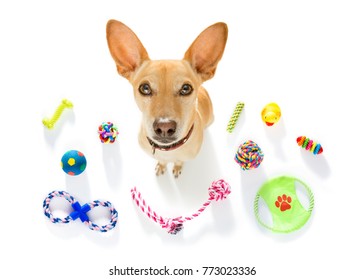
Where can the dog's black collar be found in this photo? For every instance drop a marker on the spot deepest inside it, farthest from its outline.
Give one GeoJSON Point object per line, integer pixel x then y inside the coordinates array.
{"type": "Point", "coordinates": [171, 147]}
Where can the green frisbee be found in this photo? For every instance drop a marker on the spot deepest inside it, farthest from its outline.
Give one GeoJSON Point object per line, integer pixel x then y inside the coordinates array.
{"type": "Point", "coordinates": [287, 212]}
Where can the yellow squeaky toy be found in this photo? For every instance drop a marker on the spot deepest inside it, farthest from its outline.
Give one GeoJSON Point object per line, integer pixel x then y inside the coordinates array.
{"type": "Point", "coordinates": [271, 114]}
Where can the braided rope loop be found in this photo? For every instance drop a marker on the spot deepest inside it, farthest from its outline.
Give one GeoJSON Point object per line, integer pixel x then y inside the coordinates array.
{"type": "Point", "coordinates": [46, 208]}
{"type": "Point", "coordinates": [80, 211]}
{"type": "Point", "coordinates": [113, 217]}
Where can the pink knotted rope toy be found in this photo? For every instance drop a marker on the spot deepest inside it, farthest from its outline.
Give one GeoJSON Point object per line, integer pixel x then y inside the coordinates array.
{"type": "Point", "coordinates": [219, 190]}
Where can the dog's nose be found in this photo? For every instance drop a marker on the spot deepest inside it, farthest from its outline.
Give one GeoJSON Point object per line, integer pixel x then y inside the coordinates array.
{"type": "Point", "coordinates": [164, 128]}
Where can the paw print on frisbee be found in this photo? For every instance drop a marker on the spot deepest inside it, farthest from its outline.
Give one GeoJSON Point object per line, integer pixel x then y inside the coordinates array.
{"type": "Point", "coordinates": [283, 202]}
{"type": "Point", "coordinates": [288, 204]}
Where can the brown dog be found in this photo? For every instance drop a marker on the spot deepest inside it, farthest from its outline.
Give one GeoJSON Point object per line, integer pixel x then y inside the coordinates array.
{"type": "Point", "coordinates": [175, 107]}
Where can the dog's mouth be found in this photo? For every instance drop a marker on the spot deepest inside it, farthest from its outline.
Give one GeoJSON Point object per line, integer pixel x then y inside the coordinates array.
{"type": "Point", "coordinates": [172, 146]}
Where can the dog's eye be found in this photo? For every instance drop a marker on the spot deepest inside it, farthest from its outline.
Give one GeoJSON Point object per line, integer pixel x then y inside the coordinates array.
{"type": "Point", "coordinates": [186, 89]}
{"type": "Point", "coordinates": [145, 89]}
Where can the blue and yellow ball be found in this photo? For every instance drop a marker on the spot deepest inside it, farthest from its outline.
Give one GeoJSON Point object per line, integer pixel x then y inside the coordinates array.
{"type": "Point", "coordinates": [73, 162]}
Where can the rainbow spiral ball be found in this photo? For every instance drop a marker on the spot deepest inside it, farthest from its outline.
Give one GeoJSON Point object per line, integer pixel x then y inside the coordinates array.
{"type": "Point", "coordinates": [309, 145]}
{"type": "Point", "coordinates": [249, 155]}
{"type": "Point", "coordinates": [108, 132]}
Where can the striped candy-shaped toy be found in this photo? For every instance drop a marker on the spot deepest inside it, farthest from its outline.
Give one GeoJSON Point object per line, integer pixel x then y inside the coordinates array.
{"type": "Point", "coordinates": [309, 145]}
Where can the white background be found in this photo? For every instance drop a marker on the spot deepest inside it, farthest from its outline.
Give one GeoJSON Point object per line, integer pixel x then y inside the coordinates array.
{"type": "Point", "coordinates": [307, 56]}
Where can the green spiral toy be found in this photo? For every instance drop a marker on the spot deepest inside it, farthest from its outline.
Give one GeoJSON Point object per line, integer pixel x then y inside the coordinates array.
{"type": "Point", "coordinates": [235, 116]}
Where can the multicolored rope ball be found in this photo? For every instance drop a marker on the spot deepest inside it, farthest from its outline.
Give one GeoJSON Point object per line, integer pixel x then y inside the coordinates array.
{"type": "Point", "coordinates": [219, 190]}
{"type": "Point", "coordinates": [309, 145]}
{"type": "Point", "coordinates": [249, 155]}
{"type": "Point", "coordinates": [80, 211]}
{"type": "Point", "coordinates": [108, 132]}
{"type": "Point", "coordinates": [235, 116]}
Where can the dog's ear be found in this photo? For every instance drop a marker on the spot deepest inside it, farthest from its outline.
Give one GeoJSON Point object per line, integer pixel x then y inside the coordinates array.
{"type": "Point", "coordinates": [125, 48]}
{"type": "Point", "coordinates": [207, 50]}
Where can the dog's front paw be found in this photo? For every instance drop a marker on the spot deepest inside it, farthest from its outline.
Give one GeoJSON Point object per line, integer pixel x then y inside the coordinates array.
{"type": "Point", "coordinates": [177, 169]}
{"type": "Point", "coordinates": [160, 168]}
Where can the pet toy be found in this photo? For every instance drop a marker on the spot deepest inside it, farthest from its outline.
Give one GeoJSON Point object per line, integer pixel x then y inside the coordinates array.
{"type": "Point", "coordinates": [73, 162]}
{"type": "Point", "coordinates": [219, 190]}
{"type": "Point", "coordinates": [271, 114]}
{"type": "Point", "coordinates": [80, 211]}
{"type": "Point", "coordinates": [249, 155]}
{"type": "Point", "coordinates": [108, 132]}
{"type": "Point", "coordinates": [309, 145]}
{"type": "Point", "coordinates": [282, 201]}
{"type": "Point", "coordinates": [235, 116]}
{"type": "Point", "coordinates": [49, 123]}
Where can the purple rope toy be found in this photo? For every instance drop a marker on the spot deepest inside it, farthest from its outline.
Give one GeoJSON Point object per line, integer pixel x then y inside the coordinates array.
{"type": "Point", "coordinates": [80, 211]}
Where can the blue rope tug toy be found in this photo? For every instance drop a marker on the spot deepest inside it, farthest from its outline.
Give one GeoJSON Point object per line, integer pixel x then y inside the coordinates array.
{"type": "Point", "coordinates": [80, 211]}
